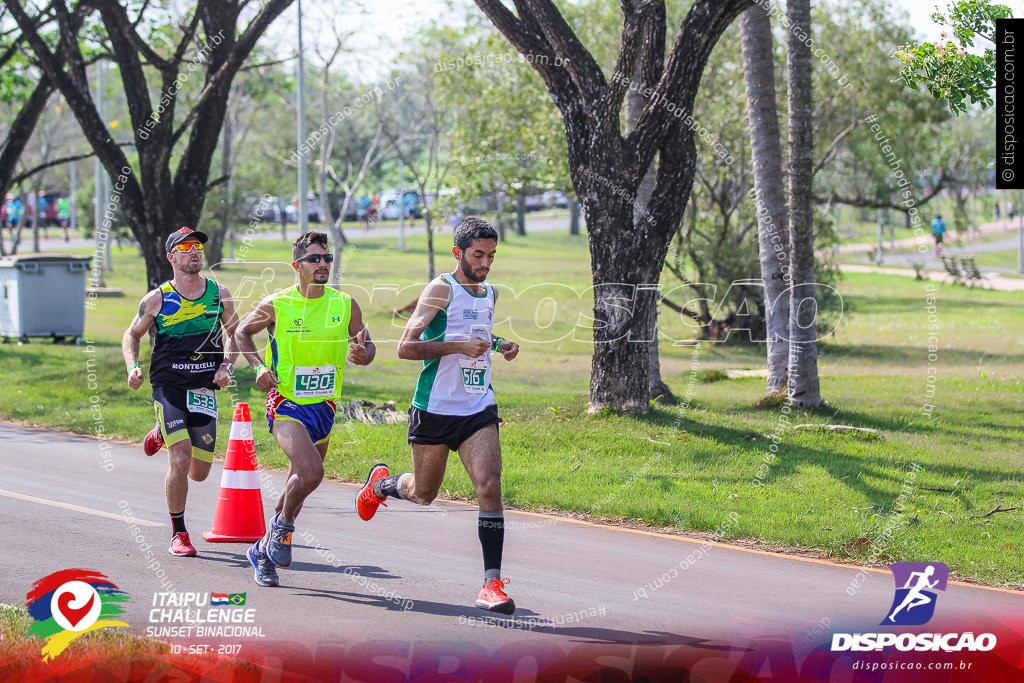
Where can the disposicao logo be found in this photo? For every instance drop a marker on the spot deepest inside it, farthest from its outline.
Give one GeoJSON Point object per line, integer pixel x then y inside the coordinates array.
{"type": "Point", "coordinates": [71, 602]}
{"type": "Point", "coordinates": [914, 605]}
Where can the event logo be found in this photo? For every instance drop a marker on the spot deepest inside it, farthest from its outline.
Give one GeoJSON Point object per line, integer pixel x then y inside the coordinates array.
{"type": "Point", "coordinates": [914, 603]}
{"type": "Point", "coordinates": [71, 602]}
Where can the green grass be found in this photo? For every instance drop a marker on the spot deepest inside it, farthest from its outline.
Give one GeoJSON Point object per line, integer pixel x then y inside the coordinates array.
{"type": "Point", "coordinates": [99, 645]}
{"type": "Point", "coordinates": [686, 466]}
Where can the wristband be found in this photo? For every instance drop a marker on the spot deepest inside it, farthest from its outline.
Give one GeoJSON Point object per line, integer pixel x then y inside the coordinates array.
{"type": "Point", "coordinates": [497, 343]}
{"type": "Point", "coordinates": [259, 367]}
{"type": "Point", "coordinates": [134, 365]}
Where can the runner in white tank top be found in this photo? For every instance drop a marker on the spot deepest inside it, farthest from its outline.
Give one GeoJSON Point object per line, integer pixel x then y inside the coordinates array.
{"type": "Point", "coordinates": [457, 384]}
{"type": "Point", "coordinates": [453, 408]}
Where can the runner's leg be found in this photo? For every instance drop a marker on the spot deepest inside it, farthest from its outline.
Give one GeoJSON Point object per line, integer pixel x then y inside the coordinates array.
{"type": "Point", "coordinates": [428, 465]}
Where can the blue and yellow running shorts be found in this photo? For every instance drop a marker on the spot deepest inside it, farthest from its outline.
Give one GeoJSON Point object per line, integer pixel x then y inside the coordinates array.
{"type": "Point", "coordinates": [317, 418]}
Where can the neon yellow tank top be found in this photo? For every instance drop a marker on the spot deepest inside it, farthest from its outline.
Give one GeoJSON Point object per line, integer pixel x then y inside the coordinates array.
{"type": "Point", "coordinates": [309, 343]}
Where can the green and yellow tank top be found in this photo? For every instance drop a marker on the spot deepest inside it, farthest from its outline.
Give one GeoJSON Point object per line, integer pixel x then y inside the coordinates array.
{"type": "Point", "coordinates": [189, 339]}
{"type": "Point", "coordinates": [308, 344]}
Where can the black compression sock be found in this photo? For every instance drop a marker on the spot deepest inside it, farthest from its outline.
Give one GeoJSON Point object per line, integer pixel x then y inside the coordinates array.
{"type": "Point", "coordinates": [178, 520]}
{"type": "Point", "coordinates": [388, 487]}
{"type": "Point", "coordinates": [491, 530]}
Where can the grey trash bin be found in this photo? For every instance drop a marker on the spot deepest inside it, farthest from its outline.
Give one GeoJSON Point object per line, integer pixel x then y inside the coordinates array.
{"type": "Point", "coordinates": [42, 295]}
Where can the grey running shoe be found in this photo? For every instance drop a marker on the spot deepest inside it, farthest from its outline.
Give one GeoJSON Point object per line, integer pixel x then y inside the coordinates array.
{"type": "Point", "coordinates": [279, 547]}
{"type": "Point", "coordinates": [264, 572]}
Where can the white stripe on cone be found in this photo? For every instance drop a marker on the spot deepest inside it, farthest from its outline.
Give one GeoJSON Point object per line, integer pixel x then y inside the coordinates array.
{"type": "Point", "coordinates": [239, 479]}
{"type": "Point", "coordinates": [241, 431]}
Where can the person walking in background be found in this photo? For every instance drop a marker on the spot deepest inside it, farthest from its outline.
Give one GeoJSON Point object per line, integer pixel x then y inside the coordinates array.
{"type": "Point", "coordinates": [64, 215]}
{"type": "Point", "coordinates": [938, 230]}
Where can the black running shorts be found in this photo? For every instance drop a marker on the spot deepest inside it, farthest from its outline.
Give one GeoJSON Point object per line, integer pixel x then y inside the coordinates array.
{"type": "Point", "coordinates": [177, 423]}
{"type": "Point", "coordinates": [451, 430]}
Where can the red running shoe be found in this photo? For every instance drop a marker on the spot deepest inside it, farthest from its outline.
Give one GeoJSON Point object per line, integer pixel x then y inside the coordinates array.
{"type": "Point", "coordinates": [181, 545]}
{"type": "Point", "coordinates": [493, 598]}
{"type": "Point", "coordinates": [153, 442]}
{"type": "Point", "coordinates": [367, 501]}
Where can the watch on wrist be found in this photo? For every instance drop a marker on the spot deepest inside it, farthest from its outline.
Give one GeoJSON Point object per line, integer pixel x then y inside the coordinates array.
{"type": "Point", "coordinates": [229, 366]}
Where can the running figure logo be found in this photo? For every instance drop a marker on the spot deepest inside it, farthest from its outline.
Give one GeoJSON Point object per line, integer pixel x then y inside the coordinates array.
{"type": "Point", "coordinates": [914, 603]}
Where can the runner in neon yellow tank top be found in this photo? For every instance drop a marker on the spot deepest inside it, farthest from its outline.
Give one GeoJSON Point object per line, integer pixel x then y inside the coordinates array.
{"type": "Point", "coordinates": [313, 330]}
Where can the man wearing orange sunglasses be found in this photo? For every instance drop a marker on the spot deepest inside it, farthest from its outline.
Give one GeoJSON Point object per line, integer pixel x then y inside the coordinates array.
{"type": "Point", "coordinates": [189, 363]}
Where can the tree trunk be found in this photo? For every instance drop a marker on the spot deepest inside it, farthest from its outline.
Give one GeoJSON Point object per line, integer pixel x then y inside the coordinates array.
{"type": "Point", "coordinates": [607, 167]}
{"type": "Point", "coordinates": [20, 131]}
{"type": "Point", "coordinates": [804, 388]}
{"type": "Point", "coordinates": [770, 198]}
{"type": "Point", "coordinates": [635, 102]}
{"type": "Point", "coordinates": [217, 238]}
{"type": "Point", "coordinates": [574, 214]}
{"type": "Point", "coordinates": [155, 200]}
{"type": "Point", "coordinates": [521, 214]}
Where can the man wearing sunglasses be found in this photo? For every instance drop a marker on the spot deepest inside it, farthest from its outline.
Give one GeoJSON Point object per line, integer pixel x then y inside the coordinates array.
{"type": "Point", "coordinates": [312, 330]}
{"type": "Point", "coordinates": [191, 314]}
{"type": "Point", "coordinates": [453, 409]}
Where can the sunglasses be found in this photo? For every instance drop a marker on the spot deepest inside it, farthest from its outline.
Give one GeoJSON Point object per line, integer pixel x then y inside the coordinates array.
{"type": "Point", "coordinates": [315, 258]}
{"type": "Point", "coordinates": [188, 246]}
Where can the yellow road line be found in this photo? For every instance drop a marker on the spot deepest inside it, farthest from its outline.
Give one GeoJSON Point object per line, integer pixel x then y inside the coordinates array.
{"type": "Point", "coordinates": [75, 508]}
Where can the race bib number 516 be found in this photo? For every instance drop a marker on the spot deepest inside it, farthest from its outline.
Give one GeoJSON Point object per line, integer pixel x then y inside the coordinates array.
{"type": "Point", "coordinates": [474, 374]}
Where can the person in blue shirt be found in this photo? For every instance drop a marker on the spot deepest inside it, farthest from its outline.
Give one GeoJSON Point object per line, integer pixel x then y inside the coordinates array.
{"type": "Point", "coordinates": [938, 230]}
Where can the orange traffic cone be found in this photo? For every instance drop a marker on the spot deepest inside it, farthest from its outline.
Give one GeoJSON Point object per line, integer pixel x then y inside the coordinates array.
{"type": "Point", "coordinates": [239, 515]}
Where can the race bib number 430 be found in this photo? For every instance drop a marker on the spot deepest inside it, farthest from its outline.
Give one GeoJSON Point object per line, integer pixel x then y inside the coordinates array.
{"type": "Point", "coordinates": [202, 401]}
{"type": "Point", "coordinates": [314, 381]}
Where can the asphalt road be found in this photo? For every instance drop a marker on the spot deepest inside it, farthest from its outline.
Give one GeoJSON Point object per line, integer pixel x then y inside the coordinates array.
{"type": "Point", "coordinates": [411, 574]}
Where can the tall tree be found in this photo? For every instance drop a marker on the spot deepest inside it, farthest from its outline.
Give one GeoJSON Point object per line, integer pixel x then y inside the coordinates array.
{"type": "Point", "coordinates": [155, 198]}
{"type": "Point", "coordinates": [804, 388]}
{"type": "Point", "coordinates": [772, 219]}
{"type": "Point", "coordinates": [607, 167]}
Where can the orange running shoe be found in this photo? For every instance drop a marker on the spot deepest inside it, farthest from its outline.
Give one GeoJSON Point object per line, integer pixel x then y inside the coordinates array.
{"type": "Point", "coordinates": [493, 598]}
{"type": "Point", "coordinates": [367, 501]}
{"type": "Point", "coordinates": [153, 442]}
{"type": "Point", "coordinates": [181, 545]}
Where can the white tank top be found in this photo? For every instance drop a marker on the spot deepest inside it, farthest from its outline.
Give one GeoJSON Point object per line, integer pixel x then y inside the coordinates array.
{"type": "Point", "coordinates": [457, 384]}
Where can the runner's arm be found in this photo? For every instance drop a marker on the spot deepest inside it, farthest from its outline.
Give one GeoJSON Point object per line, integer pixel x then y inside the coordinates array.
{"type": "Point", "coordinates": [361, 350]}
{"type": "Point", "coordinates": [506, 347]}
{"type": "Point", "coordinates": [143, 320]}
{"type": "Point", "coordinates": [229, 320]}
{"type": "Point", "coordinates": [260, 319]}
{"type": "Point", "coordinates": [410, 347]}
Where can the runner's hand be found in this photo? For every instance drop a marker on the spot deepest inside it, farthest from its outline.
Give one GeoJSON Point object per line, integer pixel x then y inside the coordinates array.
{"type": "Point", "coordinates": [509, 349]}
{"type": "Point", "coordinates": [474, 347]}
{"type": "Point", "coordinates": [222, 378]}
{"type": "Point", "coordinates": [265, 379]}
{"type": "Point", "coordinates": [357, 349]}
{"type": "Point", "coordinates": [135, 377]}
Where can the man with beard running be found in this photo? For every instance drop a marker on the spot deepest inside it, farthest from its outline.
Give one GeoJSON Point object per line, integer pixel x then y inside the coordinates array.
{"type": "Point", "coordinates": [453, 407]}
{"type": "Point", "coordinates": [191, 314]}
{"type": "Point", "coordinates": [312, 329]}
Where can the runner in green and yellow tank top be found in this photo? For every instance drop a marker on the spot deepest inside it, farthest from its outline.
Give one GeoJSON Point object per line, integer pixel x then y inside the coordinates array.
{"type": "Point", "coordinates": [191, 314]}
{"type": "Point", "coordinates": [312, 330]}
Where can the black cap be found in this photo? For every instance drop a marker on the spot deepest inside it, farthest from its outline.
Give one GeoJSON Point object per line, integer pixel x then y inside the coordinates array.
{"type": "Point", "coordinates": [184, 235]}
